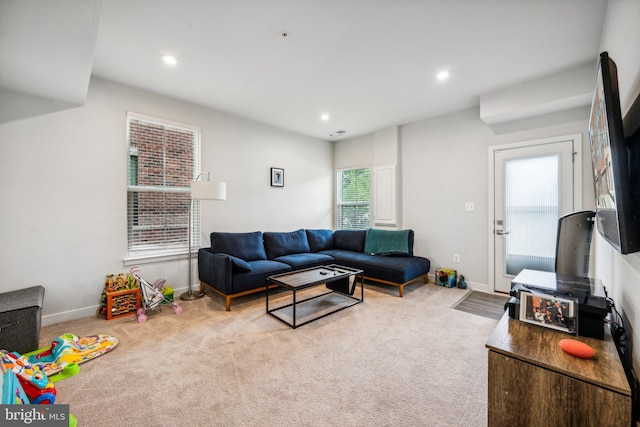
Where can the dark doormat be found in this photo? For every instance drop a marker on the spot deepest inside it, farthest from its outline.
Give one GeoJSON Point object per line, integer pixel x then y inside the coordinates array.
{"type": "Point", "coordinates": [482, 304]}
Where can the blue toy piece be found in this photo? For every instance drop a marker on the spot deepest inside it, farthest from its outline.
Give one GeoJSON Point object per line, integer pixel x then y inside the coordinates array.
{"type": "Point", "coordinates": [461, 283]}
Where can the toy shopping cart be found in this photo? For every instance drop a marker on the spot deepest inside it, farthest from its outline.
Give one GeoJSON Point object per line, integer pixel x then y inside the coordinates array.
{"type": "Point", "coordinates": [152, 296]}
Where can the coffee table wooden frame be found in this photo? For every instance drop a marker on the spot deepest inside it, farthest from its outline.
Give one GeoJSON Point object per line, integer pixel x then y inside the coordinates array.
{"type": "Point", "coordinates": [295, 281]}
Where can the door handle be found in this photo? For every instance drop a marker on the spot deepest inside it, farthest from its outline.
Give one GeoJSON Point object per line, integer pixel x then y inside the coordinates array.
{"type": "Point", "coordinates": [502, 232]}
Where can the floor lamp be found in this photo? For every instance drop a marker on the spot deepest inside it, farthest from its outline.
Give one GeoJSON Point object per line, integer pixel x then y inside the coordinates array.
{"type": "Point", "coordinates": [201, 190]}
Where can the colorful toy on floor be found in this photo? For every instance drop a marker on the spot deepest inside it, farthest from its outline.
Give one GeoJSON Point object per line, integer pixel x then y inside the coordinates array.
{"type": "Point", "coordinates": [152, 296]}
{"type": "Point", "coordinates": [118, 282]}
{"type": "Point", "coordinates": [68, 371]}
{"type": "Point", "coordinates": [69, 350]}
{"type": "Point", "coordinates": [120, 297]}
{"type": "Point", "coordinates": [11, 390]}
{"type": "Point", "coordinates": [34, 381]}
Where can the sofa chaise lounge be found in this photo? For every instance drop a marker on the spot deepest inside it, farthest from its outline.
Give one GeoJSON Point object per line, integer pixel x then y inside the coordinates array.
{"type": "Point", "coordinates": [238, 264]}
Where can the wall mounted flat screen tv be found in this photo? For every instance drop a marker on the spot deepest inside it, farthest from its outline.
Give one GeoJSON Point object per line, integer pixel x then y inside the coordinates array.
{"type": "Point", "coordinates": [616, 209]}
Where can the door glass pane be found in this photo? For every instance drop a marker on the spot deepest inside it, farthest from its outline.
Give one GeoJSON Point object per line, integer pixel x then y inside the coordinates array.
{"type": "Point", "coordinates": [531, 213]}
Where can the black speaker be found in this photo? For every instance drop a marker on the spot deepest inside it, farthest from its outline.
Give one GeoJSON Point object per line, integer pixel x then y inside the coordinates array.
{"type": "Point", "coordinates": [513, 305]}
{"type": "Point", "coordinates": [573, 243]}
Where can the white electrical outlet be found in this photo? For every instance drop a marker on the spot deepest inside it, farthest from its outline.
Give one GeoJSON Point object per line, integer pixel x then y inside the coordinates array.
{"type": "Point", "coordinates": [469, 206]}
{"type": "Point", "coordinates": [456, 257]}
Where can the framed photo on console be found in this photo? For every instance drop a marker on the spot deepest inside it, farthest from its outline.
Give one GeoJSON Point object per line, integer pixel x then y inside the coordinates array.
{"type": "Point", "coordinates": [277, 177]}
{"type": "Point", "coordinates": [549, 311]}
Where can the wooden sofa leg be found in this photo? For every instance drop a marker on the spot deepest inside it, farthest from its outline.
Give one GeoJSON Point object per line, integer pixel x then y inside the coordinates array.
{"type": "Point", "coordinates": [201, 287]}
{"type": "Point", "coordinates": [401, 290]}
{"type": "Point", "coordinates": [228, 303]}
{"type": "Point", "coordinates": [426, 278]}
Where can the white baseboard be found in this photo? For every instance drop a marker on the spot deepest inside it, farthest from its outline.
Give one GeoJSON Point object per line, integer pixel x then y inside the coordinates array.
{"type": "Point", "coordinates": [470, 285]}
{"type": "Point", "coordinates": [65, 316]}
{"type": "Point", "coordinates": [483, 287]}
{"type": "Point", "coordinates": [80, 313]}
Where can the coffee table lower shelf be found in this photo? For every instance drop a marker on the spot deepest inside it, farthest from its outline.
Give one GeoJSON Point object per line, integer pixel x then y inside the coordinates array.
{"type": "Point", "coordinates": [333, 276]}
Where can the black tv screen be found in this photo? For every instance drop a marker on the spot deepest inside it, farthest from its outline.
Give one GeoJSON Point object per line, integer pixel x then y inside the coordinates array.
{"type": "Point", "coordinates": [616, 213]}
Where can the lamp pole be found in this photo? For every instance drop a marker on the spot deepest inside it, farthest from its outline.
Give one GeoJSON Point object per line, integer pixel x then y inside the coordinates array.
{"type": "Point", "coordinates": [190, 295]}
{"type": "Point", "coordinates": [200, 190]}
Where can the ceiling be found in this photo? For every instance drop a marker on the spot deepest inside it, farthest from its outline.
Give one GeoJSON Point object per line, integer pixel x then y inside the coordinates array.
{"type": "Point", "coordinates": [369, 64]}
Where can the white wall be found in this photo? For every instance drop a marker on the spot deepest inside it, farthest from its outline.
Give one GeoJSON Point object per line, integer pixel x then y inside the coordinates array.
{"type": "Point", "coordinates": [621, 273]}
{"type": "Point", "coordinates": [63, 191]}
{"type": "Point", "coordinates": [354, 152]}
{"type": "Point", "coordinates": [445, 165]}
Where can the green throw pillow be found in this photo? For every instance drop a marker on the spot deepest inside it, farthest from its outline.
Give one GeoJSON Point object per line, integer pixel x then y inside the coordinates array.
{"type": "Point", "coordinates": [387, 242]}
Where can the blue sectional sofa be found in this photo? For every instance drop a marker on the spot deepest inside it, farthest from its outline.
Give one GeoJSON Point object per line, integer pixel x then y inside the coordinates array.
{"type": "Point", "coordinates": [238, 264]}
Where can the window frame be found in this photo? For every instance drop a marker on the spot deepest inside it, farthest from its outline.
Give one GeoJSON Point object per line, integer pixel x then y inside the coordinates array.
{"type": "Point", "coordinates": [164, 251]}
{"type": "Point", "coordinates": [340, 203]}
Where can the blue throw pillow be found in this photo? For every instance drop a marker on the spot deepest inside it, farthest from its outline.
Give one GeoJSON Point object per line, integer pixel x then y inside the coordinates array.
{"type": "Point", "coordinates": [350, 240]}
{"type": "Point", "coordinates": [320, 240]}
{"type": "Point", "coordinates": [239, 264]}
{"type": "Point", "coordinates": [281, 244]}
{"type": "Point", "coordinates": [247, 246]}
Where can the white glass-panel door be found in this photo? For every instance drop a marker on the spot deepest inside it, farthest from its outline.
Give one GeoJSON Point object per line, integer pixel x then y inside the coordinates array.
{"type": "Point", "coordinates": [533, 187]}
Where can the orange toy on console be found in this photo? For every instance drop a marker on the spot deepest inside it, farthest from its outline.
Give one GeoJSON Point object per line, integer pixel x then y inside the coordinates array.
{"type": "Point", "coordinates": [577, 348]}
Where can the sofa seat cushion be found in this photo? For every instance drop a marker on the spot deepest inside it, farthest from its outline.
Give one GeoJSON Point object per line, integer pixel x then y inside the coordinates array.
{"type": "Point", "coordinates": [396, 269]}
{"type": "Point", "coordinates": [320, 240]}
{"type": "Point", "coordinates": [279, 244]}
{"type": "Point", "coordinates": [246, 246]}
{"type": "Point", "coordinates": [257, 277]}
{"type": "Point", "coordinates": [305, 260]}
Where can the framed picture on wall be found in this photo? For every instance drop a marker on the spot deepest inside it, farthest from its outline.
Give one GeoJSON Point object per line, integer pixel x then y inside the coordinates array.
{"type": "Point", "coordinates": [549, 311]}
{"type": "Point", "coordinates": [277, 177]}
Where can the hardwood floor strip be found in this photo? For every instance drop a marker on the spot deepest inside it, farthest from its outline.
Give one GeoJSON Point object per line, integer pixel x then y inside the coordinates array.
{"type": "Point", "coordinates": [482, 304]}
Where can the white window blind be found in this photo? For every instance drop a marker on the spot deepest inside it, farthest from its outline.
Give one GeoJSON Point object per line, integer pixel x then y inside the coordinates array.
{"type": "Point", "coordinates": [163, 159]}
{"type": "Point", "coordinates": [354, 198]}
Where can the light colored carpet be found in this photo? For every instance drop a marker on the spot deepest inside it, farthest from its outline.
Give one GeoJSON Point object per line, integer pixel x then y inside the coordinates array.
{"type": "Point", "coordinates": [390, 361]}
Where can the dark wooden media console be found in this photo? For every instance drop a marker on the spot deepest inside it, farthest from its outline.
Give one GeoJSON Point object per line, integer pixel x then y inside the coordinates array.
{"type": "Point", "coordinates": [532, 382]}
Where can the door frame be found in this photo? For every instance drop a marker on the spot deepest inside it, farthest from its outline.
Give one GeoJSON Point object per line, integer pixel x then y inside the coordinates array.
{"type": "Point", "coordinates": [577, 186]}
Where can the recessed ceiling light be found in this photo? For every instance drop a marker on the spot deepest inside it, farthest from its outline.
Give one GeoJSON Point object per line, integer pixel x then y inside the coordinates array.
{"type": "Point", "coordinates": [442, 75]}
{"type": "Point", "coordinates": [169, 60]}
{"type": "Point", "coordinates": [324, 117]}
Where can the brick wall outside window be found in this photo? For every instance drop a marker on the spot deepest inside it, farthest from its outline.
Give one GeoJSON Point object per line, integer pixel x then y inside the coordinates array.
{"type": "Point", "coordinates": [161, 168]}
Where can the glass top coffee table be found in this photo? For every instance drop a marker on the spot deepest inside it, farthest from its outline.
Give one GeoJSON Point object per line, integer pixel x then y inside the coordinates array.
{"type": "Point", "coordinates": [315, 303]}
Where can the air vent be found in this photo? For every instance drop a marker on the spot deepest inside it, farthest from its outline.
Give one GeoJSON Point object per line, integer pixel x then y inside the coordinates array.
{"type": "Point", "coordinates": [337, 133]}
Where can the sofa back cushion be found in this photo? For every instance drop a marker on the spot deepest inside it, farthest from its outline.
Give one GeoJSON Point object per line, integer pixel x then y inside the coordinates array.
{"type": "Point", "coordinates": [320, 240]}
{"type": "Point", "coordinates": [280, 244]}
{"type": "Point", "coordinates": [350, 240]}
{"type": "Point", "coordinates": [247, 246]}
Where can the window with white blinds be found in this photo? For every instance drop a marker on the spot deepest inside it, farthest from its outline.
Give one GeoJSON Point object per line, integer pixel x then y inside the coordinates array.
{"type": "Point", "coordinates": [354, 199]}
{"type": "Point", "coordinates": [163, 159]}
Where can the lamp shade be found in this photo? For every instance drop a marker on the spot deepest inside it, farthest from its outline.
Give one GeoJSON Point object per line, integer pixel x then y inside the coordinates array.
{"type": "Point", "coordinates": [208, 190]}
